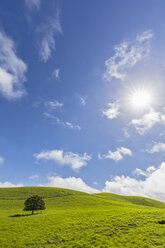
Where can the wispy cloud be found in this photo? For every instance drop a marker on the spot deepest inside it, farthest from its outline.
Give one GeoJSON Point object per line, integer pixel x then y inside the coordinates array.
{"type": "Point", "coordinates": [148, 120]}
{"type": "Point", "coordinates": [126, 133]}
{"type": "Point", "coordinates": [74, 160]}
{"type": "Point", "coordinates": [162, 133]}
{"type": "Point", "coordinates": [112, 111]}
{"type": "Point", "coordinates": [33, 177]}
{"type": "Point", "coordinates": [72, 126]}
{"type": "Point", "coordinates": [12, 69]}
{"type": "Point", "coordinates": [48, 31]}
{"type": "Point", "coordinates": [52, 105]}
{"type": "Point", "coordinates": [58, 121]}
{"type": "Point", "coordinates": [55, 73]}
{"type": "Point", "coordinates": [116, 155]}
{"type": "Point", "coordinates": [82, 100]}
{"type": "Point", "coordinates": [70, 183]}
{"type": "Point", "coordinates": [153, 186]}
{"type": "Point", "coordinates": [127, 54]}
{"type": "Point", "coordinates": [146, 173]}
{"type": "Point", "coordinates": [157, 147]}
{"type": "Point", "coordinates": [33, 4]}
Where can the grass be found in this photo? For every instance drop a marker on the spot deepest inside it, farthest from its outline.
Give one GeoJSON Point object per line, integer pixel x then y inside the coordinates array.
{"type": "Point", "coordinates": [76, 219]}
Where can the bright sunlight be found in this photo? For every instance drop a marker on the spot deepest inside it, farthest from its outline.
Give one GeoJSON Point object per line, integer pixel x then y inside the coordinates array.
{"type": "Point", "coordinates": [140, 99]}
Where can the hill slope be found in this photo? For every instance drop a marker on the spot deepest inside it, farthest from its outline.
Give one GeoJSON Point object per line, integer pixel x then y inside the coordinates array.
{"type": "Point", "coordinates": [60, 196]}
{"type": "Point", "coordinates": [132, 200]}
{"type": "Point", "coordinates": [77, 219]}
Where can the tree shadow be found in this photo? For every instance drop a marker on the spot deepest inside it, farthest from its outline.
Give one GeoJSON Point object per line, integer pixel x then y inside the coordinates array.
{"type": "Point", "coordinates": [161, 222]}
{"type": "Point", "coordinates": [23, 215]}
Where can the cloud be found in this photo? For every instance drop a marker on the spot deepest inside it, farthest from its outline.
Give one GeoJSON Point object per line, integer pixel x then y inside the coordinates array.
{"type": "Point", "coordinates": [148, 120]}
{"type": "Point", "coordinates": [52, 105]}
{"type": "Point", "coordinates": [145, 36]}
{"type": "Point", "coordinates": [48, 31]}
{"type": "Point", "coordinates": [126, 133]}
{"type": "Point", "coordinates": [148, 172]}
{"type": "Point", "coordinates": [153, 186]}
{"type": "Point", "coordinates": [157, 147]}
{"type": "Point", "coordinates": [35, 176]}
{"type": "Point", "coordinates": [12, 69]}
{"type": "Point", "coordinates": [74, 160]}
{"type": "Point", "coordinates": [116, 155]}
{"type": "Point", "coordinates": [127, 55]}
{"type": "Point", "coordinates": [58, 121]}
{"type": "Point", "coordinates": [162, 133]}
{"type": "Point", "coordinates": [56, 73]}
{"type": "Point", "coordinates": [70, 183]}
{"type": "Point", "coordinates": [82, 101]}
{"type": "Point", "coordinates": [9, 185]}
{"type": "Point", "coordinates": [72, 126]}
{"type": "Point", "coordinates": [112, 111]}
{"type": "Point", "coordinates": [33, 4]}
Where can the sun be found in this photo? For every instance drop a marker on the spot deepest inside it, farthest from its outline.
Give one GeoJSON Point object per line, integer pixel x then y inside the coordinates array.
{"type": "Point", "coordinates": [141, 99]}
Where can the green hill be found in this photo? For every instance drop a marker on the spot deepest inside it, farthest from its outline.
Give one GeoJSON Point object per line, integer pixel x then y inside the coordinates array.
{"type": "Point", "coordinates": [132, 200]}
{"type": "Point", "coordinates": [77, 219]}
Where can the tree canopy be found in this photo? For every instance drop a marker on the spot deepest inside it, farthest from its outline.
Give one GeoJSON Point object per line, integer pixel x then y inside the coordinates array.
{"type": "Point", "coordinates": [34, 203]}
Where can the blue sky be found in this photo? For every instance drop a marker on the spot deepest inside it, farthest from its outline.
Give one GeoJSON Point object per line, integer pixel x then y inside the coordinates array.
{"type": "Point", "coordinates": [82, 95]}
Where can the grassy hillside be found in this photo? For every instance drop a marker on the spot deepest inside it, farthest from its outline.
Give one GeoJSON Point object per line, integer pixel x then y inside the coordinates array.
{"type": "Point", "coordinates": [132, 199]}
{"type": "Point", "coordinates": [76, 219]}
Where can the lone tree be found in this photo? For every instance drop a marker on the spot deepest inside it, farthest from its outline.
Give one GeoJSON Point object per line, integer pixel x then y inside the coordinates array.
{"type": "Point", "coordinates": [34, 203]}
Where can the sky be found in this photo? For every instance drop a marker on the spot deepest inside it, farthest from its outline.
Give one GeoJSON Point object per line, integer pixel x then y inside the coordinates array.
{"type": "Point", "coordinates": [82, 95]}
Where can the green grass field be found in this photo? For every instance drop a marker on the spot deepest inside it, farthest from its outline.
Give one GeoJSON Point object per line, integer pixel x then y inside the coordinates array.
{"type": "Point", "coordinates": [76, 219]}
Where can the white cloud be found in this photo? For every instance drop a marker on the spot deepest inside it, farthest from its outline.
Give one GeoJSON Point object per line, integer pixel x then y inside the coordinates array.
{"type": "Point", "coordinates": [153, 186]}
{"type": "Point", "coordinates": [146, 173]}
{"type": "Point", "coordinates": [82, 101]}
{"type": "Point", "coordinates": [148, 120]}
{"type": "Point", "coordinates": [70, 183]}
{"type": "Point", "coordinates": [157, 147]}
{"type": "Point", "coordinates": [52, 105]}
{"type": "Point", "coordinates": [56, 73]}
{"type": "Point", "coordinates": [65, 124]}
{"type": "Point", "coordinates": [116, 155]}
{"type": "Point", "coordinates": [145, 36]}
{"type": "Point", "coordinates": [9, 185]}
{"type": "Point", "coordinates": [72, 126]}
{"type": "Point", "coordinates": [35, 176]}
{"type": "Point", "coordinates": [33, 4]}
{"type": "Point", "coordinates": [48, 31]}
{"type": "Point", "coordinates": [12, 69]}
{"type": "Point", "coordinates": [126, 133]}
{"type": "Point", "coordinates": [74, 160]}
{"type": "Point", "coordinates": [127, 54]}
{"type": "Point", "coordinates": [112, 111]}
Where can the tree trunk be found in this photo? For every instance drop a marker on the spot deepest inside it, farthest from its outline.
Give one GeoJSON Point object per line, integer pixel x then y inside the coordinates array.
{"type": "Point", "coordinates": [32, 211]}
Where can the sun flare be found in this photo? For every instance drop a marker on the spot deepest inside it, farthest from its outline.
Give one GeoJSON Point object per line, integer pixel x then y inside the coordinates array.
{"type": "Point", "coordinates": [140, 99]}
